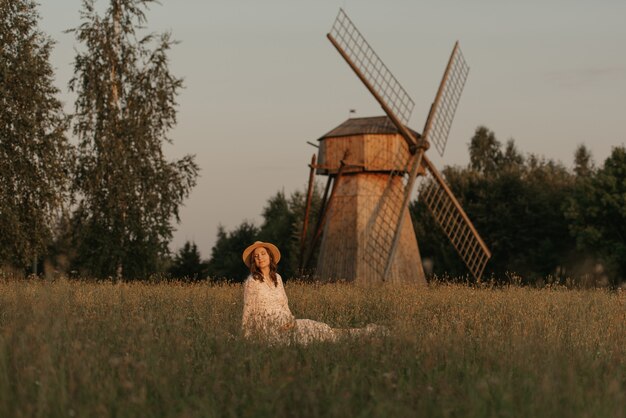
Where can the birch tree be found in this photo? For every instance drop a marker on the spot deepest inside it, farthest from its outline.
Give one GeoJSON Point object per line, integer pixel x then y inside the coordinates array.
{"type": "Point", "coordinates": [129, 193]}
{"type": "Point", "coordinates": [35, 156]}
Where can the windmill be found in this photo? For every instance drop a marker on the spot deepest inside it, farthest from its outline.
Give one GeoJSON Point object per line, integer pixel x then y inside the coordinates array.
{"type": "Point", "coordinates": [372, 164]}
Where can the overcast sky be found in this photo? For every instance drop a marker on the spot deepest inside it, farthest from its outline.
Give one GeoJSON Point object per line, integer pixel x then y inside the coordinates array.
{"type": "Point", "coordinates": [261, 79]}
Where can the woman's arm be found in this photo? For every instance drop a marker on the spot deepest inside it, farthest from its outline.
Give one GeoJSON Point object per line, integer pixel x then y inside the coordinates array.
{"type": "Point", "coordinates": [250, 295]}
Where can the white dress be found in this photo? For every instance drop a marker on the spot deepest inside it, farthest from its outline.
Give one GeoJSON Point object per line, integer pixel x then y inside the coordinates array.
{"type": "Point", "coordinates": [266, 314]}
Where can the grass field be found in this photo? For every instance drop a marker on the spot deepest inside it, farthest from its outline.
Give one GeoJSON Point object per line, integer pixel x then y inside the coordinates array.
{"type": "Point", "coordinates": [102, 349]}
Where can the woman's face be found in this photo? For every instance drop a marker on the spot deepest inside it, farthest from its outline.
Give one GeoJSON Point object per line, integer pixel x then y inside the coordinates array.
{"type": "Point", "coordinates": [261, 258]}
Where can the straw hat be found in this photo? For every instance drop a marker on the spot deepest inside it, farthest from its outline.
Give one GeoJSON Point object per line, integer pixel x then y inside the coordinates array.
{"type": "Point", "coordinates": [247, 259]}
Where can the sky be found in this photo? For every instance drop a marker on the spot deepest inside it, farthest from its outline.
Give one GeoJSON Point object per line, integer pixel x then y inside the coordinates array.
{"type": "Point", "coordinates": [261, 80]}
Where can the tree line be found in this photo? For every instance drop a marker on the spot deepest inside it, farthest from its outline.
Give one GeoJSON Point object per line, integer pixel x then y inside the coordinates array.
{"type": "Point", "coordinates": [542, 221]}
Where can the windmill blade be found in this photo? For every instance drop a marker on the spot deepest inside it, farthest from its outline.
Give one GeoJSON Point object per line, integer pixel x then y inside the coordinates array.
{"type": "Point", "coordinates": [414, 163]}
{"type": "Point", "coordinates": [436, 131]}
{"type": "Point", "coordinates": [371, 70]}
{"type": "Point", "coordinates": [455, 223]}
{"type": "Point", "coordinates": [381, 229]}
{"type": "Point", "coordinates": [448, 95]}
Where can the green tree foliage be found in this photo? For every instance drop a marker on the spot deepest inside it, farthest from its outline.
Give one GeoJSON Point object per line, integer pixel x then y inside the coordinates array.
{"type": "Point", "coordinates": [187, 263]}
{"type": "Point", "coordinates": [279, 228]}
{"type": "Point", "coordinates": [35, 156]}
{"type": "Point", "coordinates": [226, 262]}
{"type": "Point", "coordinates": [282, 225]}
{"type": "Point", "coordinates": [485, 151]}
{"type": "Point", "coordinates": [597, 212]}
{"type": "Point", "coordinates": [516, 204]}
{"type": "Point", "coordinates": [125, 106]}
{"type": "Point", "coordinates": [583, 162]}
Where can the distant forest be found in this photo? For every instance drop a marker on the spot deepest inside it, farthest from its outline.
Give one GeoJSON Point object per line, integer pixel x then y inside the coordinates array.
{"type": "Point", "coordinates": [542, 222]}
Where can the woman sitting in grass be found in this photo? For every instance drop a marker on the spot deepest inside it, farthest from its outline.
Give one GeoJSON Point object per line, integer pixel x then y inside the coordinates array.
{"type": "Point", "coordinates": [266, 312]}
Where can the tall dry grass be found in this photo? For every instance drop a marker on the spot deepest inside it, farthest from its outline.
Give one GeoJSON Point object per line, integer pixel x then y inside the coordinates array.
{"type": "Point", "coordinates": [101, 349]}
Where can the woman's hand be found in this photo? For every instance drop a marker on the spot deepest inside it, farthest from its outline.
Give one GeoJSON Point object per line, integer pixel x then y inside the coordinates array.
{"type": "Point", "coordinates": [288, 326]}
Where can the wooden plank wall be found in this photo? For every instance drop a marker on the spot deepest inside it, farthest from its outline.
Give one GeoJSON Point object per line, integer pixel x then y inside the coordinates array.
{"type": "Point", "coordinates": [370, 152]}
{"type": "Point", "coordinates": [343, 252]}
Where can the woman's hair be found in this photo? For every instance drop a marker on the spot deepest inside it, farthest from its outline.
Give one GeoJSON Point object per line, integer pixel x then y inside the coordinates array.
{"type": "Point", "coordinates": [257, 274]}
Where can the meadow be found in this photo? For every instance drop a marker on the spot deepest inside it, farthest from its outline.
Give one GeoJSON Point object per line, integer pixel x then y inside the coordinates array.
{"type": "Point", "coordinates": [86, 349]}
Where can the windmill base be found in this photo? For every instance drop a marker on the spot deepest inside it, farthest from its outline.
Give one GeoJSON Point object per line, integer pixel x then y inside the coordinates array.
{"type": "Point", "coordinates": [346, 251]}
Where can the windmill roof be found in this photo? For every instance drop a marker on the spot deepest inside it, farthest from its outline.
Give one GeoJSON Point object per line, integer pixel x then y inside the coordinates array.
{"type": "Point", "coordinates": [367, 125]}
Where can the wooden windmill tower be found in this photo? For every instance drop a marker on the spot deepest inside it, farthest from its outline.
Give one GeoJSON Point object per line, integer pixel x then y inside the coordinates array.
{"type": "Point", "coordinates": [373, 163]}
